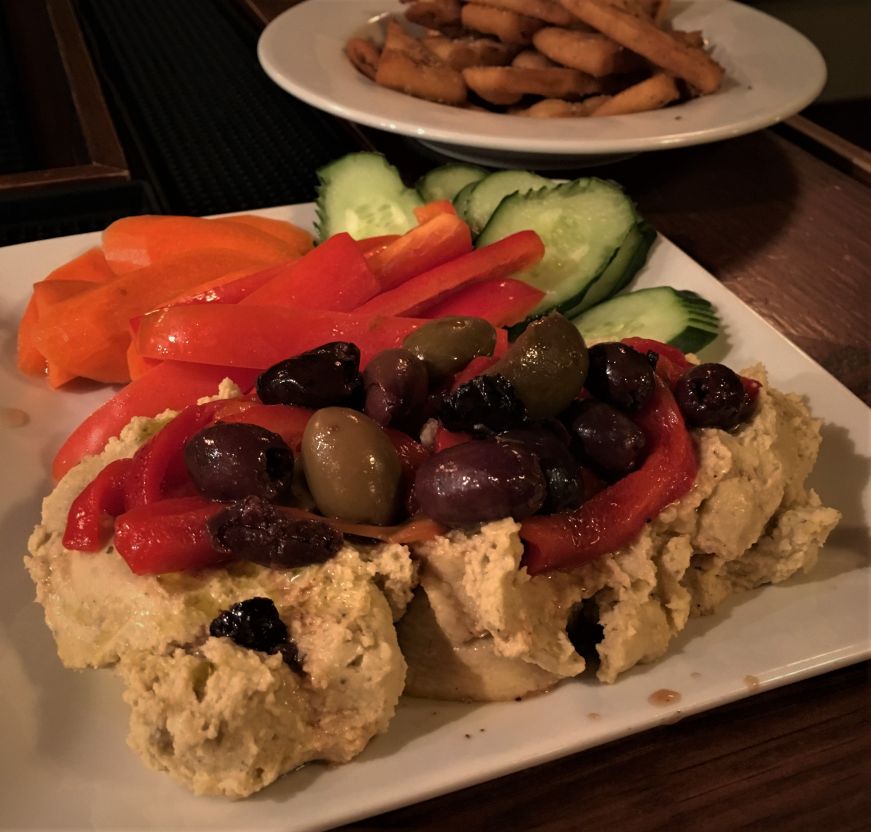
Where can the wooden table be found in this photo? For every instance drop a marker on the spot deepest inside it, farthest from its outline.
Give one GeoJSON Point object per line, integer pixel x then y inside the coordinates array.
{"type": "Point", "coordinates": [783, 218]}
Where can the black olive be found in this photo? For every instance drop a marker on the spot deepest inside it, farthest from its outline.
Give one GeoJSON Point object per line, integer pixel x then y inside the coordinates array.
{"type": "Point", "coordinates": [327, 375]}
{"type": "Point", "coordinates": [712, 396]}
{"type": "Point", "coordinates": [550, 445]}
{"type": "Point", "coordinates": [396, 383]}
{"type": "Point", "coordinates": [584, 630]}
{"type": "Point", "coordinates": [253, 623]}
{"type": "Point", "coordinates": [484, 405]}
{"type": "Point", "coordinates": [255, 530]}
{"type": "Point", "coordinates": [228, 461]}
{"type": "Point", "coordinates": [620, 375]}
{"type": "Point", "coordinates": [479, 481]}
{"type": "Point", "coordinates": [609, 440]}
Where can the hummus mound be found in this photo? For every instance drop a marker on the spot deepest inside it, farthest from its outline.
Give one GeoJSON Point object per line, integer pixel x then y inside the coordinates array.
{"type": "Point", "coordinates": [482, 629]}
{"type": "Point", "coordinates": [220, 718]}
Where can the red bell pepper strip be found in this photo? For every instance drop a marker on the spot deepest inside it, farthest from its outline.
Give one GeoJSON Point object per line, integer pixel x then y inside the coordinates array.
{"type": "Point", "coordinates": [426, 212]}
{"type": "Point", "coordinates": [615, 516]}
{"type": "Point", "coordinates": [501, 259]}
{"type": "Point", "coordinates": [169, 385]}
{"type": "Point", "coordinates": [438, 241]}
{"type": "Point", "coordinates": [502, 301]}
{"type": "Point", "coordinates": [232, 289]}
{"type": "Point", "coordinates": [335, 276]}
{"type": "Point", "coordinates": [91, 516]}
{"type": "Point", "coordinates": [369, 246]}
{"type": "Point", "coordinates": [260, 336]}
{"type": "Point", "coordinates": [168, 536]}
{"type": "Point", "coordinates": [159, 463]}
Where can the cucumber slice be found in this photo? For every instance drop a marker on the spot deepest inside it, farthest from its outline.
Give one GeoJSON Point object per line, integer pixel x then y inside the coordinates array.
{"type": "Point", "coordinates": [362, 193]}
{"type": "Point", "coordinates": [486, 195]}
{"type": "Point", "coordinates": [461, 200]}
{"type": "Point", "coordinates": [678, 317]}
{"type": "Point", "coordinates": [630, 257]}
{"type": "Point", "coordinates": [447, 181]}
{"type": "Point", "coordinates": [583, 225]}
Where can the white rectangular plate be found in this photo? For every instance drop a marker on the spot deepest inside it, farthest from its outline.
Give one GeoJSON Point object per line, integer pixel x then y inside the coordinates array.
{"type": "Point", "coordinates": [64, 761]}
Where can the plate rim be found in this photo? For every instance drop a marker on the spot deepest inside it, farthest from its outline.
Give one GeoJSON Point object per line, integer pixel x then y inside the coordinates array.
{"type": "Point", "coordinates": [495, 137]}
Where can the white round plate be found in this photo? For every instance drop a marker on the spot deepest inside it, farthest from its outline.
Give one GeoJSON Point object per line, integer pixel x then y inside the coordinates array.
{"type": "Point", "coordinates": [772, 72]}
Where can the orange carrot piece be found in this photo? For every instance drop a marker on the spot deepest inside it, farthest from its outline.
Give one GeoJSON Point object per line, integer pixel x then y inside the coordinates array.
{"type": "Point", "coordinates": [89, 267]}
{"type": "Point", "coordinates": [426, 212]}
{"type": "Point", "coordinates": [292, 235]}
{"type": "Point", "coordinates": [89, 332]}
{"type": "Point", "coordinates": [137, 242]}
{"type": "Point", "coordinates": [57, 376]}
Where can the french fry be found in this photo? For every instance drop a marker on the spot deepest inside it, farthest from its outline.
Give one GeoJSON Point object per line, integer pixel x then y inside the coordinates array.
{"type": "Point", "coordinates": [546, 10]}
{"type": "Point", "coordinates": [651, 94]}
{"type": "Point", "coordinates": [558, 108]}
{"type": "Point", "coordinates": [406, 65]}
{"type": "Point", "coordinates": [507, 84]}
{"type": "Point", "coordinates": [661, 13]}
{"type": "Point", "coordinates": [466, 52]}
{"type": "Point", "coordinates": [694, 38]}
{"type": "Point", "coordinates": [531, 59]}
{"type": "Point", "coordinates": [441, 15]}
{"type": "Point", "coordinates": [594, 54]}
{"type": "Point", "coordinates": [642, 36]}
{"type": "Point", "coordinates": [364, 55]}
{"type": "Point", "coordinates": [509, 27]}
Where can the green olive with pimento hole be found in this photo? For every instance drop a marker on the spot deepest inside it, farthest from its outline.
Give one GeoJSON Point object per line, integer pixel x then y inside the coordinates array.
{"type": "Point", "coordinates": [351, 466]}
{"type": "Point", "coordinates": [547, 365]}
{"type": "Point", "coordinates": [447, 345]}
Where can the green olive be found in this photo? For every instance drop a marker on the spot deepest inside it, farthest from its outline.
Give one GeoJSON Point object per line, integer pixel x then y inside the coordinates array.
{"type": "Point", "coordinates": [547, 365]}
{"type": "Point", "coordinates": [446, 345]}
{"type": "Point", "coordinates": [352, 468]}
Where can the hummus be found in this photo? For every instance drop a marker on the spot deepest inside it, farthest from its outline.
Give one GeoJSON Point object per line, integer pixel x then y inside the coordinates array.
{"type": "Point", "coordinates": [471, 623]}
{"type": "Point", "coordinates": [220, 718]}
{"type": "Point", "coordinates": [748, 520]}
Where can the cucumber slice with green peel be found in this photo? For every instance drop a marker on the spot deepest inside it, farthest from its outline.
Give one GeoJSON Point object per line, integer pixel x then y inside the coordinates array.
{"type": "Point", "coordinates": [486, 195]}
{"type": "Point", "coordinates": [677, 317]}
{"type": "Point", "coordinates": [583, 225]}
{"type": "Point", "coordinates": [447, 181]}
{"type": "Point", "coordinates": [363, 194]}
{"type": "Point", "coordinates": [630, 257]}
{"type": "Point", "coordinates": [461, 200]}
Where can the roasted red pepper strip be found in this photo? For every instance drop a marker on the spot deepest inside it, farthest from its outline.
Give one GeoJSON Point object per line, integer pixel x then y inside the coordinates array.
{"type": "Point", "coordinates": [288, 422]}
{"type": "Point", "coordinates": [159, 463]}
{"type": "Point", "coordinates": [169, 385]}
{"type": "Point", "coordinates": [90, 518]}
{"type": "Point", "coordinates": [614, 517]}
{"type": "Point", "coordinates": [168, 536]}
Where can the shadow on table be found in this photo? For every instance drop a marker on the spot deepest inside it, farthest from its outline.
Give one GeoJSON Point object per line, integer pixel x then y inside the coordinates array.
{"type": "Point", "coordinates": [728, 199]}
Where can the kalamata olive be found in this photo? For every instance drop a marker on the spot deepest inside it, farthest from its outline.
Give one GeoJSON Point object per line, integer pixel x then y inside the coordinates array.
{"type": "Point", "coordinates": [547, 365]}
{"type": "Point", "coordinates": [228, 461]}
{"type": "Point", "coordinates": [255, 530]}
{"type": "Point", "coordinates": [479, 481]}
{"type": "Point", "coordinates": [486, 404]}
{"type": "Point", "coordinates": [446, 345]}
{"type": "Point", "coordinates": [711, 396]}
{"type": "Point", "coordinates": [396, 384]}
{"type": "Point", "coordinates": [620, 375]}
{"type": "Point", "coordinates": [564, 490]}
{"type": "Point", "coordinates": [607, 438]}
{"type": "Point", "coordinates": [253, 623]}
{"type": "Point", "coordinates": [584, 630]}
{"type": "Point", "coordinates": [325, 376]}
{"type": "Point", "coordinates": [352, 469]}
